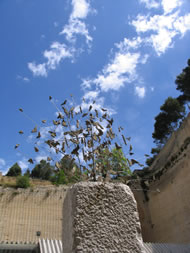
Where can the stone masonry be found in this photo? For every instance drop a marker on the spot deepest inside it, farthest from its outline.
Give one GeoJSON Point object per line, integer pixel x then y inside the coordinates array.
{"type": "Point", "coordinates": [101, 217]}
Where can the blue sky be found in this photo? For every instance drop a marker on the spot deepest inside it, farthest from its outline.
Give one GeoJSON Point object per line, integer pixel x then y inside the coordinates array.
{"type": "Point", "coordinates": [125, 54]}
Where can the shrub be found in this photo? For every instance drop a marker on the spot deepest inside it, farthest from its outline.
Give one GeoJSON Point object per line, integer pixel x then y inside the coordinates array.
{"type": "Point", "coordinates": [22, 182]}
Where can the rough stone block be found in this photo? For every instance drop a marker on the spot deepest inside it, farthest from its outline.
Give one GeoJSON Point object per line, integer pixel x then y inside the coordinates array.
{"type": "Point", "coordinates": [101, 217]}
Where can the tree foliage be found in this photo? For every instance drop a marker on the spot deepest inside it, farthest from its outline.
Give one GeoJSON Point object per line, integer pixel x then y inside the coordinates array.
{"type": "Point", "coordinates": [183, 83]}
{"type": "Point", "coordinates": [172, 111]}
{"type": "Point", "coordinates": [14, 171]}
{"type": "Point", "coordinates": [43, 170]}
{"type": "Point", "coordinates": [22, 182]}
{"type": "Point", "coordinates": [115, 161]}
{"type": "Point", "coordinates": [68, 172]}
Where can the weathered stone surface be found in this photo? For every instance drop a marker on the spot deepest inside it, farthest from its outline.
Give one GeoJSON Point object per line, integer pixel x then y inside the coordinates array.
{"type": "Point", "coordinates": [100, 217]}
{"type": "Point", "coordinates": [165, 217]}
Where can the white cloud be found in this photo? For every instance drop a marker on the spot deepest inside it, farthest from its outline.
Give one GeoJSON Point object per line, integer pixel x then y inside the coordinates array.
{"type": "Point", "coordinates": [56, 24]}
{"type": "Point", "coordinates": [54, 56]}
{"type": "Point", "coordinates": [91, 95]}
{"type": "Point", "coordinates": [23, 78]}
{"type": "Point", "coordinates": [170, 5]}
{"type": "Point", "coordinates": [140, 91]}
{"type": "Point", "coordinates": [182, 24]}
{"type": "Point", "coordinates": [150, 3]}
{"type": "Point", "coordinates": [167, 5]}
{"type": "Point", "coordinates": [38, 69]}
{"type": "Point", "coordinates": [2, 163]}
{"type": "Point", "coordinates": [81, 9]}
{"type": "Point", "coordinates": [23, 163]}
{"type": "Point", "coordinates": [122, 69]}
{"type": "Point", "coordinates": [163, 29]}
{"type": "Point", "coordinates": [76, 27]}
{"type": "Point", "coordinates": [39, 158]}
{"type": "Point", "coordinates": [127, 44]}
{"type": "Point", "coordinates": [57, 53]}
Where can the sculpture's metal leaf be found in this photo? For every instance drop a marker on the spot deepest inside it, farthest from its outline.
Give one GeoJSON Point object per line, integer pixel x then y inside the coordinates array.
{"type": "Point", "coordinates": [84, 114]}
{"type": "Point", "coordinates": [104, 110]}
{"type": "Point", "coordinates": [39, 135]}
{"type": "Point", "coordinates": [124, 139]}
{"type": "Point", "coordinates": [50, 97]}
{"type": "Point", "coordinates": [36, 149]}
{"type": "Point", "coordinates": [17, 145]}
{"type": "Point", "coordinates": [77, 123]}
{"type": "Point", "coordinates": [64, 102]}
{"type": "Point", "coordinates": [96, 113]}
{"type": "Point", "coordinates": [56, 122]}
{"type": "Point", "coordinates": [104, 116]}
{"type": "Point", "coordinates": [75, 141]}
{"type": "Point", "coordinates": [63, 147]}
{"type": "Point", "coordinates": [60, 116]}
{"type": "Point", "coordinates": [94, 136]}
{"type": "Point", "coordinates": [65, 111]}
{"type": "Point", "coordinates": [21, 132]}
{"type": "Point", "coordinates": [64, 123]}
{"type": "Point", "coordinates": [53, 134]}
{"type": "Point", "coordinates": [90, 143]}
{"type": "Point", "coordinates": [133, 161]}
{"type": "Point", "coordinates": [110, 121]}
{"type": "Point", "coordinates": [49, 158]}
{"type": "Point", "coordinates": [30, 161]}
{"type": "Point", "coordinates": [20, 109]}
{"type": "Point", "coordinates": [44, 121]}
{"type": "Point", "coordinates": [75, 151]}
{"type": "Point", "coordinates": [66, 142]}
{"type": "Point", "coordinates": [58, 165]}
{"type": "Point", "coordinates": [90, 108]}
{"type": "Point", "coordinates": [117, 146]}
{"type": "Point", "coordinates": [100, 132]}
{"type": "Point", "coordinates": [34, 130]}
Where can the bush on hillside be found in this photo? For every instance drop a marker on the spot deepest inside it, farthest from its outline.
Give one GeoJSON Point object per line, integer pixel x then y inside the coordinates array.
{"type": "Point", "coordinates": [22, 182]}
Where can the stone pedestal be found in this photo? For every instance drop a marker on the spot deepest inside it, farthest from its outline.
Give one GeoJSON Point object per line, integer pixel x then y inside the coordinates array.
{"type": "Point", "coordinates": [101, 218]}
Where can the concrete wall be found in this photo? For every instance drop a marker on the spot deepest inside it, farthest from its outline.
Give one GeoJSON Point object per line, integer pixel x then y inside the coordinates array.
{"type": "Point", "coordinates": [24, 212]}
{"type": "Point", "coordinates": [165, 217]}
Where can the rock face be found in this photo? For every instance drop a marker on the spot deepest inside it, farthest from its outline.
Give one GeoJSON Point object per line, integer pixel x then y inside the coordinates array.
{"type": "Point", "coordinates": [100, 217]}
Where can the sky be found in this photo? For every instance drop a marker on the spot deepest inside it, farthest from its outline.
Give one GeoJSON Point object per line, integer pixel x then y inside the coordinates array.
{"type": "Point", "coordinates": [124, 54]}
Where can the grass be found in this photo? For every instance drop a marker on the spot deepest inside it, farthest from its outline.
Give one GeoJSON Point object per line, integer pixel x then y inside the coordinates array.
{"type": "Point", "coordinates": [11, 182]}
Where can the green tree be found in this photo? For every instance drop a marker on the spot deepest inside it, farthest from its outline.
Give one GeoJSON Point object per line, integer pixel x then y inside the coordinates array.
{"type": "Point", "coordinates": [68, 171]}
{"type": "Point", "coordinates": [43, 170]}
{"type": "Point", "coordinates": [22, 182]}
{"type": "Point", "coordinates": [172, 111]}
{"type": "Point", "coordinates": [14, 171]}
{"type": "Point", "coordinates": [183, 83]}
{"type": "Point", "coordinates": [27, 173]}
{"type": "Point", "coordinates": [115, 161]}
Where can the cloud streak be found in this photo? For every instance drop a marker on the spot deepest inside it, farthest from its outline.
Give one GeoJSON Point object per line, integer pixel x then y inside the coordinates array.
{"type": "Point", "coordinates": [60, 51]}
{"type": "Point", "coordinates": [160, 30]}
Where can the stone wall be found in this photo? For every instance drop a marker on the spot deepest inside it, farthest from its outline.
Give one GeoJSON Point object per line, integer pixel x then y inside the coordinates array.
{"type": "Point", "coordinates": [24, 212]}
{"type": "Point", "coordinates": [165, 217]}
